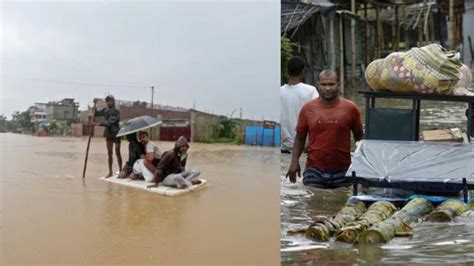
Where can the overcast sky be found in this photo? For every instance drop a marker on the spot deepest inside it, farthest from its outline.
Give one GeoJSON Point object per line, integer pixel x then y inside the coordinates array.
{"type": "Point", "coordinates": [219, 55]}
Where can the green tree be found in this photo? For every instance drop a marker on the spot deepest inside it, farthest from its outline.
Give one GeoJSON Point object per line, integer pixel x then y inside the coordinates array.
{"type": "Point", "coordinates": [3, 124]}
{"type": "Point", "coordinates": [285, 54]}
{"type": "Point", "coordinates": [23, 119]}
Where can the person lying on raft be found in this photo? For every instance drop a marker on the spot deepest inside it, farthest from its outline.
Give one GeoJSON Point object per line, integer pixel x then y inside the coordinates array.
{"type": "Point", "coordinates": [146, 166]}
{"type": "Point", "coordinates": [135, 151]}
{"type": "Point", "coordinates": [171, 169]}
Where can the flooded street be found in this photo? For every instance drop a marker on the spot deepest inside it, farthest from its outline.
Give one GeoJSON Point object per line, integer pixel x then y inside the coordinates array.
{"type": "Point", "coordinates": [435, 243]}
{"type": "Point", "coordinates": [50, 215]}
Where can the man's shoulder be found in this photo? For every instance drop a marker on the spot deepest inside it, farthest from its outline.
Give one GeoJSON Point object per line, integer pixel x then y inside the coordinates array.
{"type": "Point", "coordinates": [300, 86]}
{"type": "Point", "coordinates": [348, 102]}
{"type": "Point", "coordinates": [311, 103]}
{"type": "Point", "coordinates": [307, 86]}
{"type": "Point", "coordinates": [151, 144]}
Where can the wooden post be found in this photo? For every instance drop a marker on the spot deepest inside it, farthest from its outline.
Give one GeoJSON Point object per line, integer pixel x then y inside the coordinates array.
{"type": "Point", "coordinates": [397, 29]}
{"type": "Point", "coordinates": [425, 25]}
{"type": "Point", "coordinates": [440, 31]}
{"type": "Point", "coordinates": [355, 183]}
{"type": "Point", "coordinates": [420, 36]}
{"type": "Point", "coordinates": [353, 46]}
{"type": "Point", "coordinates": [465, 190]}
{"type": "Point", "coordinates": [341, 53]}
{"type": "Point", "coordinates": [379, 32]}
{"type": "Point", "coordinates": [367, 51]}
{"type": "Point", "coordinates": [432, 29]}
{"type": "Point", "coordinates": [91, 130]}
{"type": "Point", "coordinates": [451, 25]}
{"type": "Point", "coordinates": [331, 50]}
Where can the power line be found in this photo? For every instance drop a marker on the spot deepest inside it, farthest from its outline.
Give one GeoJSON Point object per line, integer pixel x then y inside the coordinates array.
{"type": "Point", "coordinates": [84, 83]}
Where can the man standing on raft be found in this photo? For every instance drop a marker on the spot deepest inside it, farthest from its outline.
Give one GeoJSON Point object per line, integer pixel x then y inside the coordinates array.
{"type": "Point", "coordinates": [111, 124]}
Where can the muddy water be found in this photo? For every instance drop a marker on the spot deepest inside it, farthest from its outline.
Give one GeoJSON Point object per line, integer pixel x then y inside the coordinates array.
{"type": "Point", "coordinates": [50, 215]}
{"type": "Point", "coordinates": [435, 243]}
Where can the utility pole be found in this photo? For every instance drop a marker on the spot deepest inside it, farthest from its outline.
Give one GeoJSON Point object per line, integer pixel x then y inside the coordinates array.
{"type": "Point", "coordinates": [153, 113]}
{"type": "Point", "coordinates": [353, 45]}
{"type": "Point", "coordinates": [152, 95]}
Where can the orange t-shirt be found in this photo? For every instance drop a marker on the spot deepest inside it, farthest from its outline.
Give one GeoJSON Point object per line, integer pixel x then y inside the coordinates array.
{"type": "Point", "coordinates": [329, 127]}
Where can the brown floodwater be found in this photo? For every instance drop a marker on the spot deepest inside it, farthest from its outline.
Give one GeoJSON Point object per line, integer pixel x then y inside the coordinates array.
{"type": "Point", "coordinates": [49, 214]}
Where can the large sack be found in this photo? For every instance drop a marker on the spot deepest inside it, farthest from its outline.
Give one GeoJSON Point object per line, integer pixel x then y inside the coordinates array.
{"type": "Point", "coordinates": [429, 69]}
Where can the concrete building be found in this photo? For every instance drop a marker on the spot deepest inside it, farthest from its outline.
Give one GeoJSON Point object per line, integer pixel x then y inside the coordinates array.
{"type": "Point", "coordinates": [38, 114]}
{"type": "Point", "coordinates": [65, 110]}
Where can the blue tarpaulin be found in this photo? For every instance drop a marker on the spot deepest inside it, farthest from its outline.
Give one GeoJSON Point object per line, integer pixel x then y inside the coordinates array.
{"type": "Point", "coordinates": [257, 135]}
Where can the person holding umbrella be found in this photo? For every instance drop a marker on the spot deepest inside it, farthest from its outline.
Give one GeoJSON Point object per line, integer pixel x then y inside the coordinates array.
{"type": "Point", "coordinates": [146, 166]}
{"type": "Point", "coordinates": [111, 124]}
{"type": "Point", "coordinates": [143, 154]}
{"type": "Point", "coordinates": [135, 151]}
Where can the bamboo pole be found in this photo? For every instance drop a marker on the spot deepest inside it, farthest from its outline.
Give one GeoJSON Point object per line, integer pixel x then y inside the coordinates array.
{"type": "Point", "coordinates": [438, 26]}
{"type": "Point", "coordinates": [397, 29]}
{"type": "Point", "coordinates": [325, 228]}
{"type": "Point", "coordinates": [447, 210]}
{"type": "Point", "coordinates": [341, 53]}
{"type": "Point", "coordinates": [451, 25]}
{"type": "Point", "coordinates": [91, 130]}
{"type": "Point", "coordinates": [379, 32]}
{"type": "Point", "coordinates": [331, 50]}
{"type": "Point", "coordinates": [367, 57]}
{"type": "Point", "coordinates": [432, 29]}
{"type": "Point", "coordinates": [353, 46]}
{"type": "Point", "coordinates": [398, 224]}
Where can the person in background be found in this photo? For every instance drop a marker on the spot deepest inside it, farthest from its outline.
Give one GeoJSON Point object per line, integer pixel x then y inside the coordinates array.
{"type": "Point", "coordinates": [111, 124]}
{"type": "Point", "coordinates": [294, 95]}
{"type": "Point", "coordinates": [135, 152]}
{"type": "Point", "coordinates": [472, 119]}
{"type": "Point", "coordinates": [329, 121]}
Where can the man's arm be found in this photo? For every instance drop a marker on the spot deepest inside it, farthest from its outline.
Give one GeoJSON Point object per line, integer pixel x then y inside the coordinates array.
{"type": "Point", "coordinates": [298, 148]}
{"type": "Point", "coordinates": [183, 163]}
{"type": "Point", "coordinates": [357, 128]}
{"type": "Point", "coordinates": [164, 161]}
{"type": "Point", "coordinates": [99, 112]}
{"type": "Point", "coordinates": [148, 162]}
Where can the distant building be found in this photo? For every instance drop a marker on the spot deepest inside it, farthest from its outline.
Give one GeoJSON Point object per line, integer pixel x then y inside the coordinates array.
{"type": "Point", "coordinates": [65, 110]}
{"type": "Point", "coordinates": [38, 114]}
{"type": "Point", "coordinates": [176, 121]}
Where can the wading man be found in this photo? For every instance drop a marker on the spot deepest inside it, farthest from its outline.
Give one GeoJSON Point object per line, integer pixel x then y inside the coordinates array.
{"type": "Point", "coordinates": [329, 121]}
{"type": "Point", "coordinates": [293, 95]}
{"type": "Point", "coordinates": [171, 168]}
{"type": "Point", "coordinates": [111, 124]}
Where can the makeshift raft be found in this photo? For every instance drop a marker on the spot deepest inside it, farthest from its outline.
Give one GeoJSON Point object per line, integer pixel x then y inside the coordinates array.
{"type": "Point", "coordinates": [162, 190]}
{"type": "Point", "coordinates": [426, 181]}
